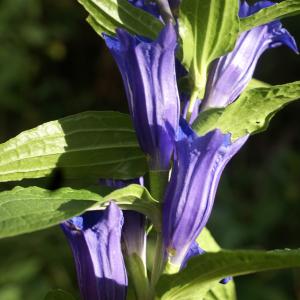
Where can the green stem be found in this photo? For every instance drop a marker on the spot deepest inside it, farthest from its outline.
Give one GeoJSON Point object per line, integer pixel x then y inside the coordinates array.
{"type": "Point", "coordinates": [193, 100]}
{"type": "Point", "coordinates": [158, 265]}
{"type": "Point", "coordinates": [137, 273]}
{"type": "Point", "coordinates": [157, 181]}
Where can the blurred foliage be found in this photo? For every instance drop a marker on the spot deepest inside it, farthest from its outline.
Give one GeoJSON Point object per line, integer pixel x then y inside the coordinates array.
{"type": "Point", "coordinates": [52, 65]}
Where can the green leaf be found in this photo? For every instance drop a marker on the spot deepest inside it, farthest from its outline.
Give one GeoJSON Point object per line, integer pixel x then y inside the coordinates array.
{"type": "Point", "coordinates": [106, 16]}
{"type": "Point", "coordinates": [221, 292]}
{"type": "Point", "coordinates": [24, 210]}
{"type": "Point", "coordinates": [59, 295]}
{"type": "Point", "coordinates": [206, 241]}
{"type": "Point", "coordinates": [137, 197]}
{"type": "Point", "coordinates": [255, 83]}
{"type": "Point", "coordinates": [87, 146]}
{"type": "Point", "coordinates": [283, 9]}
{"type": "Point", "coordinates": [195, 280]}
{"type": "Point", "coordinates": [251, 113]}
{"type": "Point", "coordinates": [216, 291]}
{"type": "Point", "coordinates": [208, 29]}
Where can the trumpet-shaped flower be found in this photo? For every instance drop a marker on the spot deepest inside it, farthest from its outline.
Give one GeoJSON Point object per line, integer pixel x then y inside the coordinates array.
{"type": "Point", "coordinates": [95, 240]}
{"type": "Point", "coordinates": [198, 164]}
{"type": "Point", "coordinates": [148, 71]}
{"type": "Point", "coordinates": [231, 73]}
{"type": "Point", "coordinates": [133, 231]}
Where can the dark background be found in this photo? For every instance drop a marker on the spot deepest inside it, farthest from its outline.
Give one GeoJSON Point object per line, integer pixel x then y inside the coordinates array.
{"type": "Point", "coordinates": [52, 65]}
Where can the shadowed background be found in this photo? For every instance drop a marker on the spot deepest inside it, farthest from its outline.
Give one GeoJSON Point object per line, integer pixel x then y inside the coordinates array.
{"type": "Point", "coordinates": [52, 65]}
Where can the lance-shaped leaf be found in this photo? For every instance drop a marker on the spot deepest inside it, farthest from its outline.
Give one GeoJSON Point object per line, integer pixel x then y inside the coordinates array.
{"type": "Point", "coordinates": [216, 290]}
{"type": "Point", "coordinates": [255, 83]}
{"type": "Point", "coordinates": [136, 197]}
{"type": "Point", "coordinates": [208, 29]}
{"type": "Point", "coordinates": [24, 210]}
{"type": "Point", "coordinates": [195, 280]}
{"type": "Point", "coordinates": [220, 291]}
{"type": "Point", "coordinates": [88, 145]}
{"type": "Point", "coordinates": [106, 16]}
{"type": "Point", "coordinates": [279, 10]}
{"type": "Point", "coordinates": [251, 113]}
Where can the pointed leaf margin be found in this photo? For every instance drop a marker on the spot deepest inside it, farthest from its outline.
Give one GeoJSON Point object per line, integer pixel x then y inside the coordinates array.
{"type": "Point", "coordinates": [24, 210]}
{"type": "Point", "coordinates": [251, 113]}
{"type": "Point", "coordinates": [195, 280]}
{"type": "Point", "coordinates": [280, 10]}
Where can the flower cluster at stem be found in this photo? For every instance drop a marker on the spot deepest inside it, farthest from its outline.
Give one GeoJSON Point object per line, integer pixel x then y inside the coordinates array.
{"type": "Point", "coordinates": [109, 245]}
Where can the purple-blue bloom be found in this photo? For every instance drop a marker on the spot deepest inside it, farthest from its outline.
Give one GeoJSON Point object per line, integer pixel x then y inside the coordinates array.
{"type": "Point", "coordinates": [134, 234]}
{"type": "Point", "coordinates": [148, 71]}
{"type": "Point", "coordinates": [198, 164]}
{"type": "Point", "coordinates": [95, 240]}
{"type": "Point", "coordinates": [133, 231]}
{"type": "Point", "coordinates": [231, 73]}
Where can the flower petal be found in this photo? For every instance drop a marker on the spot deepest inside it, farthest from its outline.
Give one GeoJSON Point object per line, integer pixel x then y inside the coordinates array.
{"type": "Point", "coordinates": [95, 239]}
{"type": "Point", "coordinates": [199, 162]}
{"type": "Point", "coordinates": [148, 71]}
{"type": "Point", "coordinates": [231, 73]}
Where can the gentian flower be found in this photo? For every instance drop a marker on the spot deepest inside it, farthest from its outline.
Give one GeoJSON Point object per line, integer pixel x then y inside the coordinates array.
{"type": "Point", "coordinates": [231, 73]}
{"type": "Point", "coordinates": [133, 240]}
{"type": "Point", "coordinates": [134, 234]}
{"type": "Point", "coordinates": [189, 198]}
{"type": "Point", "coordinates": [133, 231]}
{"type": "Point", "coordinates": [95, 240]}
{"type": "Point", "coordinates": [148, 71]}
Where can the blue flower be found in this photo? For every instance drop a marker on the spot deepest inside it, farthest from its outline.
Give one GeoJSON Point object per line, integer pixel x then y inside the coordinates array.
{"type": "Point", "coordinates": [189, 198]}
{"type": "Point", "coordinates": [148, 71]}
{"type": "Point", "coordinates": [231, 73]}
{"type": "Point", "coordinates": [95, 240]}
{"type": "Point", "coordinates": [133, 231]}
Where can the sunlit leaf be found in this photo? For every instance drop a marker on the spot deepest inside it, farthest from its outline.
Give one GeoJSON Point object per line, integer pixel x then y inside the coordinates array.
{"type": "Point", "coordinates": [280, 10]}
{"type": "Point", "coordinates": [195, 280]}
{"type": "Point", "coordinates": [251, 113]}
{"type": "Point", "coordinates": [89, 145]}
{"type": "Point", "coordinates": [208, 29]}
{"type": "Point", "coordinates": [24, 210]}
{"type": "Point", "coordinates": [106, 16]}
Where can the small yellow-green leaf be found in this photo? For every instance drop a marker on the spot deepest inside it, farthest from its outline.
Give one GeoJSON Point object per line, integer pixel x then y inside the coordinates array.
{"type": "Point", "coordinates": [280, 10]}
{"type": "Point", "coordinates": [208, 29]}
{"type": "Point", "coordinates": [106, 16]}
{"type": "Point", "coordinates": [251, 113]}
